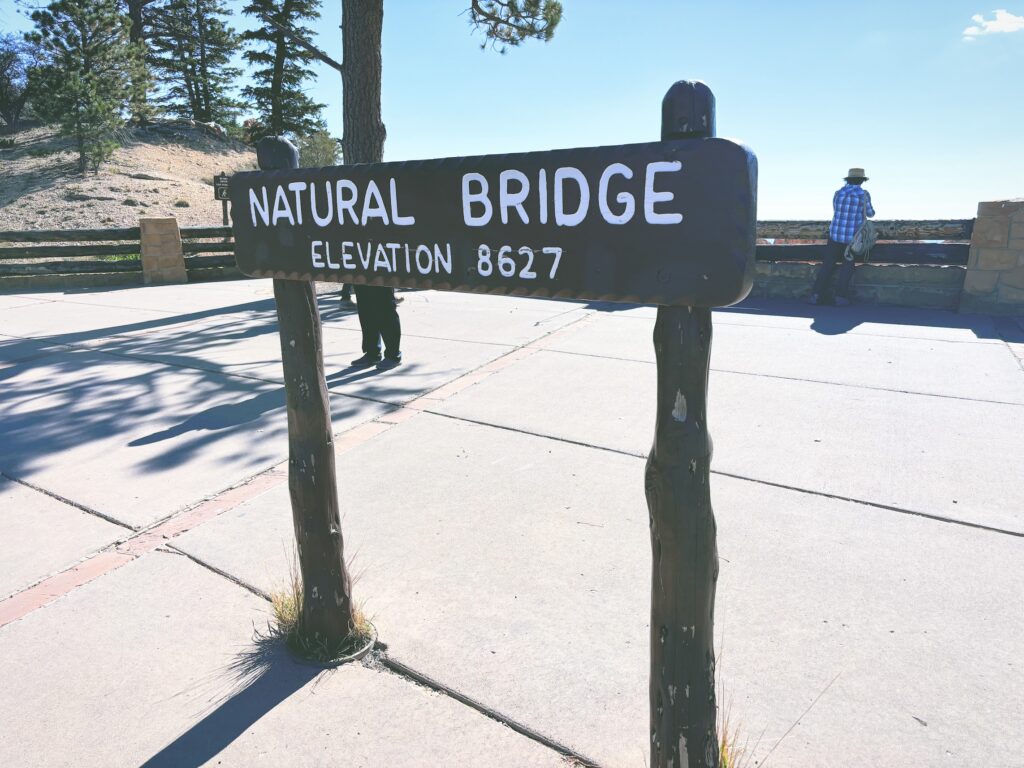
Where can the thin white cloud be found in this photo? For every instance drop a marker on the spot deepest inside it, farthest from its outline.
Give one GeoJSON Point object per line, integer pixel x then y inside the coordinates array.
{"type": "Point", "coordinates": [1002, 21]}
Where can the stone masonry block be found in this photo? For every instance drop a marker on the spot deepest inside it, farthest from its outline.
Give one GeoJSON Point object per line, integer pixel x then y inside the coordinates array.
{"type": "Point", "coordinates": [991, 232]}
{"type": "Point", "coordinates": [162, 259]}
{"type": "Point", "coordinates": [1001, 208]}
{"type": "Point", "coordinates": [996, 258]}
{"type": "Point", "coordinates": [909, 274]}
{"type": "Point", "coordinates": [980, 282]}
{"type": "Point", "coordinates": [1013, 278]}
{"type": "Point", "coordinates": [1010, 297]}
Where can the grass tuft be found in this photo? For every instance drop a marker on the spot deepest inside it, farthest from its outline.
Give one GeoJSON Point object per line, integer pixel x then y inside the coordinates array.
{"type": "Point", "coordinates": [287, 607]}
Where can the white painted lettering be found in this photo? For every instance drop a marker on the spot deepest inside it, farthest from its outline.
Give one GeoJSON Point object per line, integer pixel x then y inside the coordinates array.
{"type": "Point", "coordinates": [322, 221]}
{"type": "Point", "coordinates": [255, 206]}
{"type": "Point", "coordinates": [330, 264]}
{"type": "Point", "coordinates": [563, 218]}
{"type": "Point", "coordinates": [381, 258]}
{"type": "Point", "coordinates": [542, 191]}
{"type": "Point", "coordinates": [624, 199]}
{"type": "Point", "coordinates": [373, 205]}
{"type": "Point", "coordinates": [393, 247]}
{"type": "Point", "coordinates": [364, 259]}
{"type": "Point", "coordinates": [318, 259]}
{"type": "Point", "coordinates": [297, 187]}
{"type": "Point", "coordinates": [281, 208]}
{"type": "Point", "coordinates": [651, 197]}
{"type": "Point", "coordinates": [468, 198]}
{"type": "Point", "coordinates": [396, 218]}
{"type": "Point", "coordinates": [346, 202]}
{"type": "Point", "coordinates": [423, 259]}
{"type": "Point", "coordinates": [509, 199]}
{"type": "Point", "coordinates": [346, 255]}
{"type": "Point", "coordinates": [443, 258]}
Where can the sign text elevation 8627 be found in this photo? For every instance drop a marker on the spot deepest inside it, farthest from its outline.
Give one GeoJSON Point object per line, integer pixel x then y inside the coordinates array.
{"type": "Point", "coordinates": [670, 222]}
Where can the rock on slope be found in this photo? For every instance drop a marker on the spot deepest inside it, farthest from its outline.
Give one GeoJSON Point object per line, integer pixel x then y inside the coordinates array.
{"type": "Point", "coordinates": [149, 175]}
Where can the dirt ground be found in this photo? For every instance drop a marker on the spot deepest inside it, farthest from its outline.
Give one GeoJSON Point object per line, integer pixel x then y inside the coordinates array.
{"type": "Point", "coordinates": [149, 175]}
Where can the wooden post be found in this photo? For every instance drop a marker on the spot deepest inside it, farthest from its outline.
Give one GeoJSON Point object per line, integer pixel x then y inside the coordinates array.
{"type": "Point", "coordinates": [327, 590]}
{"type": "Point", "coordinates": [683, 537]}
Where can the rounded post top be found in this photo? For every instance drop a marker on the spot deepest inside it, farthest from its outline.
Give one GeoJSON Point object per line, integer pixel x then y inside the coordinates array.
{"type": "Point", "coordinates": [688, 111]}
{"type": "Point", "coordinates": [276, 153]}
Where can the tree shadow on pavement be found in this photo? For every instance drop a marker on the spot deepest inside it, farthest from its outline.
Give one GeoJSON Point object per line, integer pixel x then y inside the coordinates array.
{"type": "Point", "coordinates": [265, 675]}
{"type": "Point", "coordinates": [833, 321]}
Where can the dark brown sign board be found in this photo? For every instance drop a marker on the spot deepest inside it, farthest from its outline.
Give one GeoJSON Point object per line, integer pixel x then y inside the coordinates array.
{"type": "Point", "coordinates": [669, 223]}
{"type": "Point", "coordinates": [220, 186]}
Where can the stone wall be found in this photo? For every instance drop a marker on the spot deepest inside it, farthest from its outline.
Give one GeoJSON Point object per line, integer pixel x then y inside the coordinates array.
{"type": "Point", "coordinates": [906, 285]}
{"type": "Point", "coordinates": [163, 262]}
{"type": "Point", "coordinates": [995, 268]}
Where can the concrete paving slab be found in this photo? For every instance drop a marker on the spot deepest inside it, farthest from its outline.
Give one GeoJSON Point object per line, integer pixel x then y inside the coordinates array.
{"type": "Point", "coordinates": [171, 299]}
{"type": "Point", "coordinates": [9, 301]}
{"type": "Point", "coordinates": [505, 320]}
{"type": "Point", "coordinates": [44, 535]}
{"type": "Point", "coordinates": [517, 571]}
{"type": "Point", "coordinates": [12, 350]}
{"type": "Point", "coordinates": [956, 458]}
{"type": "Point", "coordinates": [57, 322]}
{"type": "Point", "coordinates": [874, 320]}
{"type": "Point", "coordinates": [247, 344]}
{"type": "Point", "coordinates": [979, 371]}
{"type": "Point", "coordinates": [177, 680]}
{"type": "Point", "coordinates": [138, 441]}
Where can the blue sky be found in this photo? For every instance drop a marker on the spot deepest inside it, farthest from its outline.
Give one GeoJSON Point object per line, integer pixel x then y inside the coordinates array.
{"type": "Point", "coordinates": [935, 115]}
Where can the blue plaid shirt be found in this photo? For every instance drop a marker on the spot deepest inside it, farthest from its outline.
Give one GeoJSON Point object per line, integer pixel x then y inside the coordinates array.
{"type": "Point", "coordinates": [850, 205]}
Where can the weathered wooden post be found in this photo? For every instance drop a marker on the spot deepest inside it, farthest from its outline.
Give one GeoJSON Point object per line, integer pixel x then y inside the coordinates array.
{"type": "Point", "coordinates": [683, 538]}
{"type": "Point", "coordinates": [327, 595]}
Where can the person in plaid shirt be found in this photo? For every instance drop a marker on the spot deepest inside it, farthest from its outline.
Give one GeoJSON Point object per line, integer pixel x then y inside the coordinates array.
{"type": "Point", "coordinates": [850, 206]}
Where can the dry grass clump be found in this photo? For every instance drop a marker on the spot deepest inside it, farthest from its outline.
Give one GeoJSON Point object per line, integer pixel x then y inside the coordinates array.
{"type": "Point", "coordinates": [287, 607]}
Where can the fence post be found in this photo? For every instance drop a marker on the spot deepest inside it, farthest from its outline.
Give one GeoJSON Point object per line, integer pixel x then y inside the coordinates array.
{"type": "Point", "coordinates": [163, 262]}
{"type": "Point", "coordinates": [327, 589]}
{"type": "Point", "coordinates": [683, 535]}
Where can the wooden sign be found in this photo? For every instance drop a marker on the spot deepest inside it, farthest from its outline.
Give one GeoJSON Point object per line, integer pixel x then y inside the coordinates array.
{"type": "Point", "coordinates": [670, 222]}
{"type": "Point", "coordinates": [220, 187]}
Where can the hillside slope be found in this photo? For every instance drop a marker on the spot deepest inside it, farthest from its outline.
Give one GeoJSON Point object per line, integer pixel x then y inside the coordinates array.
{"type": "Point", "coordinates": [149, 175]}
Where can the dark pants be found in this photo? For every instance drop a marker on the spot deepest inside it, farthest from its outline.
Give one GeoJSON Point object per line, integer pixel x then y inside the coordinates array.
{"type": "Point", "coordinates": [822, 283]}
{"type": "Point", "coordinates": [378, 318]}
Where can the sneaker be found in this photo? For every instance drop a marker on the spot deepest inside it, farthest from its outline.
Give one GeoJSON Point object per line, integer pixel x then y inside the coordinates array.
{"type": "Point", "coordinates": [399, 299]}
{"type": "Point", "coordinates": [390, 361]}
{"type": "Point", "coordinates": [370, 358]}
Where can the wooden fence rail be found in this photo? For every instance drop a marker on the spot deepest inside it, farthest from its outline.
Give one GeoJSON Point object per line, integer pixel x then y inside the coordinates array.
{"type": "Point", "coordinates": [934, 242]}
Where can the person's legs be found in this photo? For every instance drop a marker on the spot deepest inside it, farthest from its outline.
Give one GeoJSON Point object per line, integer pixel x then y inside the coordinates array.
{"type": "Point", "coordinates": [346, 293]}
{"type": "Point", "coordinates": [390, 325]}
{"type": "Point", "coordinates": [366, 306]}
{"type": "Point", "coordinates": [843, 282]}
{"type": "Point", "coordinates": [822, 282]}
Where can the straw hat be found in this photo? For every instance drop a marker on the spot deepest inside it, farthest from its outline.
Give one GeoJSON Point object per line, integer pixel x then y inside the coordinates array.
{"type": "Point", "coordinates": [856, 173]}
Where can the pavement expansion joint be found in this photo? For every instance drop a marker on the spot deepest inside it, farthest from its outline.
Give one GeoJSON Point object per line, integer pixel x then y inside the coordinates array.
{"type": "Point", "coordinates": [71, 503]}
{"type": "Point", "coordinates": [381, 659]}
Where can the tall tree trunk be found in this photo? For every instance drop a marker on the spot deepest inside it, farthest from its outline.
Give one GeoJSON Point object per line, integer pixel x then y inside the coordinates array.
{"type": "Point", "coordinates": [364, 133]}
{"type": "Point", "coordinates": [136, 35]}
{"type": "Point", "coordinates": [280, 54]}
{"type": "Point", "coordinates": [204, 113]}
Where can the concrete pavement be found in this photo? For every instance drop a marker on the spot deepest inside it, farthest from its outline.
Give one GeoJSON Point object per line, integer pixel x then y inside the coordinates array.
{"type": "Point", "coordinates": [866, 486]}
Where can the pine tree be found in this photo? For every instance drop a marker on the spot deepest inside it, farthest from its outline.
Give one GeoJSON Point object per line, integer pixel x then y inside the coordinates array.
{"type": "Point", "coordinates": [16, 58]}
{"type": "Point", "coordinates": [281, 68]}
{"type": "Point", "coordinates": [87, 73]}
{"type": "Point", "coordinates": [191, 46]}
